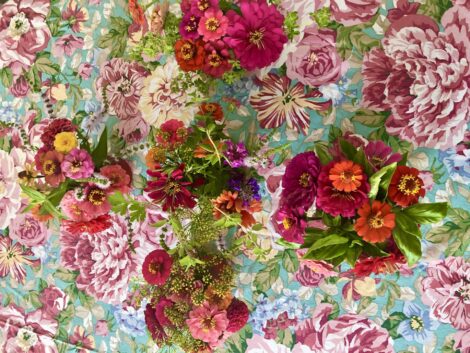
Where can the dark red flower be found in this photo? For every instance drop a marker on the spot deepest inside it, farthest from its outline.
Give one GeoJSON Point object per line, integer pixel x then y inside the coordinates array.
{"type": "Point", "coordinates": [49, 166]}
{"type": "Point", "coordinates": [160, 311]}
{"type": "Point", "coordinates": [216, 59]}
{"type": "Point", "coordinates": [170, 190]}
{"type": "Point", "coordinates": [237, 315]}
{"type": "Point", "coordinates": [406, 187]}
{"type": "Point", "coordinates": [212, 109]}
{"type": "Point", "coordinates": [389, 264]}
{"type": "Point", "coordinates": [157, 267]}
{"type": "Point", "coordinates": [189, 54]}
{"type": "Point", "coordinates": [56, 126]}
{"type": "Point", "coordinates": [96, 225]}
{"type": "Point", "coordinates": [171, 133]}
{"type": "Point", "coordinates": [154, 327]}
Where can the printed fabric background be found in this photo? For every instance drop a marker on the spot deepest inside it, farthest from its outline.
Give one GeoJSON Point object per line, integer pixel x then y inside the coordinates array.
{"type": "Point", "coordinates": [235, 176]}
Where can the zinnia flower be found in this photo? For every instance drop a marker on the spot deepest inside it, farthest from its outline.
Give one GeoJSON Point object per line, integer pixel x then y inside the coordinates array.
{"type": "Point", "coordinates": [211, 109]}
{"type": "Point", "coordinates": [189, 54]}
{"type": "Point", "coordinates": [77, 164]}
{"type": "Point", "coordinates": [406, 186]}
{"type": "Point", "coordinates": [229, 202]}
{"type": "Point", "coordinates": [212, 25]}
{"type": "Point", "coordinates": [290, 223]}
{"type": "Point", "coordinates": [96, 201]}
{"type": "Point", "coordinates": [380, 155]}
{"type": "Point", "coordinates": [65, 141]}
{"type": "Point", "coordinates": [119, 177]}
{"type": "Point", "coordinates": [73, 208]}
{"type": "Point", "coordinates": [217, 57]}
{"type": "Point", "coordinates": [170, 189]}
{"type": "Point", "coordinates": [171, 133]}
{"type": "Point", "coordinates": [235, 153]}
{"type": "Point", "coordinates": [154, 327]}
{"type": "Point", "coordinates": [299, 182]}
{"type": "Point", "coordinates": [256, 35]}
{"type": "Point", "coordinates": [207, 323]}
{"type": "Point", "coordinates": [375, 224]}
{"type": "Point", "coordinates": [277, 102]}
{"type": "Point", "coordinates": [49, 165]}
{"type": "Point", "coordinates": [341, 202]}
{"type": "Point", "coordinates": [366, 266]}
{"type": "Point", "coordinates": [189, 25]}
{"type": "Point", "coordinates": [56, 126]}
{"type": "Point", "coordinates": [157, 267]}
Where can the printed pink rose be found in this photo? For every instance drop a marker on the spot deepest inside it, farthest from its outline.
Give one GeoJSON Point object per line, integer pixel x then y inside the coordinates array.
{"type": "Point", "coordinates": [446, 289]}
{"type": "Point", "coordinates": [84, 70]}
{"type": "Point", "coordinates": [422, 76]}
{"type": "Point", "coordinates": [104, 260]}
{"type": "Point", "coordinates": [316, 62]}
{"type": "Point", "coordinates": [23, 32]}
{"type": "Point", "coordinates": [348, 333]}
{"type": "Point", "coordinates": [101, 328]}
{"type": "Point", "coordinates": [27, 230]}
{"type": "Point", "coordinates": [353, 12]}
{"type": "Point", "coordinates": [26, 332]}
{"type": "Point", "coordinates": [311, 272]}
{"type": "Point", "coordinates": [20, 87]}
{"type": "Point", "coordinates": [53, 300]}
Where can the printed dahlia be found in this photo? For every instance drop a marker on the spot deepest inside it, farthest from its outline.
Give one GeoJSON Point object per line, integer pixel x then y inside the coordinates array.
{"type": "Point", "coordinates": [157, 267]}
{"type": "Point", "coordinates": [406, 187]}
{"type": "Point", "coordinates": [256, 35]}
{"type": "Point", "coordinates": [338, 202]}
{"type": "Point", "coordinates": [299, 182]}
{"type": "Point", "coordinates": [237, 315]}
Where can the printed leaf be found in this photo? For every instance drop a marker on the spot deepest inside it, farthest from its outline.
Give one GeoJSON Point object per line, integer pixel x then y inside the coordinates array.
{"type": "Point", "coordinates": [44, 64]}
{"type": "Point", "coordinates": [391, 324]}
{"type": "Point", "coordinates": [6, 76]}
{"type": "Point", "coordinates": [116, 38]}
{"type": "Point", "coordinates": [426, 213]}
{"type": "Point", "coordinates": [265, 278]}
{"type": "Point", "coordinates": [290, 261]}
{"type": "Point", "coordinates": [369, 118]}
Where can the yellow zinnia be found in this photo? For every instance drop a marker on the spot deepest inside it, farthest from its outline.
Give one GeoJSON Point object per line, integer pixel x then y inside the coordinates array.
{"type": "Point", "coordinates": [65, 141]}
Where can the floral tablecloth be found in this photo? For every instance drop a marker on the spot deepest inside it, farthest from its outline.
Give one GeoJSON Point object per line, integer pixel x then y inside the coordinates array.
{"type": "Point", "coordinates": [395, 71]}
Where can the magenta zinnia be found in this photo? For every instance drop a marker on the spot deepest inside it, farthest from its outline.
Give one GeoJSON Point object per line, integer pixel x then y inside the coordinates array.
{"type": "Point", "coordinates": [277, 102]}
{"type": "Point", "coordinates": [256, 36]}
{"type": "Point", "coordinates": [170, 190]}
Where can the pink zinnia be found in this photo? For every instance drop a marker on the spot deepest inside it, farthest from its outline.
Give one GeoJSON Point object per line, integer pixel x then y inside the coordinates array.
{"type": "Point", "coordinates": [77, 164]}
{"type": "Point", "coordinates": [256, 35]}
{"type": "Point", "coordinates": [207, 323]}
{"type": "Point", "coordinates": [213, 25]}
{"type": "Point", "coordinates": [96, 201]}
{"type": "Point", "coordinates": [73, 209]}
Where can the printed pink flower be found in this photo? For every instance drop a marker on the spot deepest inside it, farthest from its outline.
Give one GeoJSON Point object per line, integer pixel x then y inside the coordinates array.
{"type": "Point", "coordinates": [256, 36]}
{"type": "Point", "coordinates": [75, 16]}
{"type": "Point", "coordinates": [212, 25]}
{"type": "Point", "coordinates": [207, 322]}
{"type": "Point", "coordinates": [53, 301]}
{"type": "Point", "coordinates": [27, 230]}
{"type": "Point", "coordinates": [101, 328]}
{"type": "Point", "coordinates": [20, 87]}
{"type": "Point", "coordinates": [14, 258]}
{"type": "Point", "coordinates": [10, 200]}
{"type": "Point", "coordinates": [316, 62]}
{"type": "Point", "coordinates": [446, 289]}
{"type": "Point", "coordinates": [85, 70]}
{"type": "Point", "coordinates": [26, 332]}
{"type": "Point", "coordinates": [120, 84]}
{"type": "Point", "coordinates": [353, 12]}
{"type": "Point", "coordinates": [77, 164]}
{"type": "Point", "coordinates": [104, 260]}
{"type": "Point", "coordinates": [312, 272]}
{"type": "Point", "coordinates": [67, 44]}
{"type": "Point", "coordinates": [462, 341]}
{"type": "Point", "coordinates": [84, 343]}
{"type": "Point", "coordinates": [23, 32]}
{"type": "Point", "coordinates": [422, 76]}
{"type": "Point", "coordinates": [348, 333]}
{"type": "Point", "coordinates": [119, 177]}
{"type": "Point", "coordinates": [277, 102]}
{"type": "Point", "coordinates": [73, 209]}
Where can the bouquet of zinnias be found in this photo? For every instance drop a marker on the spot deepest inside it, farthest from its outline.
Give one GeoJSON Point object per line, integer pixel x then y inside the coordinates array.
{"type": "Point", "coordinates": [355, 201]}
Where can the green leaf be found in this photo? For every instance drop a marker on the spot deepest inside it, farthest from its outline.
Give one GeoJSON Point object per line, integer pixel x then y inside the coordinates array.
{"type": "Point", "coordinates": [321, 150]}
{"type": "Point", "coordinates": [100, 152]}
{"type": "Point", "coordinates": [44, 64]}
{"type": "Point", "coordinates": [352, 254]}
{"type": "Point", "coordinates": [334, 133]}
{"type": "Point", "coordinates": [189, 261]}
{"type": "Point", "coordinates": [6, 76]}
{"type": "Point", "coordinates": [369, 118]}
{"type": "Point", "coordinates": [290, 261]}
{"type": "Point", "coordinates": [286, 244]}
{"type": "Point", "coordinates": [66, 275]}
{"type": "Point", "coordinates": [407, 237]}
{"type": "Point", "coordinates": [381, 179]}
{"type": "Point", "coordinates": [426, 213]}
{"type": "Point", "coordinates": [265, 278]}
{"type": "Point", "coordinates": [116, 38]}
{"type": "Point", "coordinates": [362, 42]}
{"type": "Point", "coordinates": [435, 8]}
{"type": "Point", "coordinates": [33, 298]}
{"type": "Point", "coordinates": [42, 284]}
{"type": "Point", "coordinates": [348, 149]}
{"type": "Point", "coordinates": [118, 203]}
{"type": "Point", "coordinates": [391, 324]}
{"type": "Point", "coordinates": [332, 239]}
{"type": "Point", "coordinates": [137, 212]}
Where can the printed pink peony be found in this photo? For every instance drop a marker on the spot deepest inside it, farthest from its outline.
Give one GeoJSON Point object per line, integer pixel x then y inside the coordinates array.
{"type": "Point", "coordinates": [104, 260]}
{"type": "Point", "coordinates": [27, 230]}
{"type": "Point", "coordinates": [446, 289]}
{"type": "Point", "coordinates": [348, 333]}
{"type": "Point", "coordinates": [353, 12]}
{"type": "Point", "coordinates": [312, 272]}
{"type": "Point", "coordinates": [10, 200]}
{"type": "Point", "coordinates": [422, 76]}
{"type": "Point", "coordinates": [23, 33]}
{"type": "Point", "coordinates": [53, 301]}
{"type": "Point", "coordinates": [316, 62]}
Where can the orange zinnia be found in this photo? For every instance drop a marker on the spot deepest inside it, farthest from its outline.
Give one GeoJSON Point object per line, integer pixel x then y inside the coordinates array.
{"type": "Point", "coordinates": [212, 109]}
{"type": "Point", "coordinates": [189, 54]}
{"type": "Point", "coordinates": [346, 176]}
{"type": "Point", "coordinates": [228, 202]}
{"type": "Point", "coordinates": [375, 223]}
{"type": "Point", "coordinates": [154, 157]}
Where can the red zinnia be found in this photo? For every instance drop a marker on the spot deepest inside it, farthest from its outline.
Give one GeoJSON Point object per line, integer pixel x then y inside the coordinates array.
{"type": "Point", "coordinates": [154, 327]}
{"type": "Point", "coordinates": [406, 186]}
{"type": "Point", "coordinates": [157, 267]}
{"type": "Point", "coordinates": [237, 315]}
{"type": "Point", "coordinates": [56, 126]}
{"type": "Point", "coordinates": [375, 224]}
{"type": "Point", "coordinates": [170, 189]}
{"type": "Point", "coordinates": [388, 264]}
{"type": "Point", "coordinates": [96, 225]}
{"type": "Point", "coordinates": [212, 109]}
{"type": "Point", "coordinates": [189, 54]}
{"type": "Point", "coordinates": [171, 133]}
{"type": "Point", "coordinates": [216, 59]}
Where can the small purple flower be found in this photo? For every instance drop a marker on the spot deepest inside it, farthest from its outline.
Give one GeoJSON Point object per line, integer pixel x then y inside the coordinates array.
{"type": "Point", "coordinates": [77, 164]}
{"type": "Point", "coordinates": [248, 190]}
{"type": "Point", "coordinates": [236, 154]}
{"type": "Point", "coordinates": [379, 154]}
{"type": "Point", "coordinates": [189, 25]}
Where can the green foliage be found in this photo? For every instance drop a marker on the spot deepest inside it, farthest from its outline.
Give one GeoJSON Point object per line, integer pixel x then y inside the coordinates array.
{"type": "Point", "coordinates": [354, 37]}
{"type": "Point", "coordinates": [381, 179]}
{"type": "Point", "coordinates": [407, 237]}
{"type": "Point", "coordinates": [6, 77]}
{"type": "Point", "coordinates": [370, 118]}
{"type": "Point", "coordinates": [391, 324]}
{"type": "Point", "coordinates": [427, 213]}
{"type": "Point", "coordinates": [265, 278]}
{"type": "Point", "coordinates": [435, 8]}
{"type": "Point", "coordinates": [321, 150]}
{"type": "Point", "coordinates": [122, 204]}
{"type": "Point", "coordinates": [291, 27]}
{"type": "Point", "coordinates": [44, 64]}
{"type": "Point", "coordinates": [290, 261]}
{"type": "Point", "coordinates": [45, 201]}
{"type": "Point", "coordinates": [116, 38]}
{"type": "Point", "coordinates": [100, 152]}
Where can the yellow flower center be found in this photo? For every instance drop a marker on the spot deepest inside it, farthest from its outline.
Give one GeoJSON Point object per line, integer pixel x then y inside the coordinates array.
{"type": "Point", "coordinates": [215, 60]}
{"type": "Point", "coordinates": [304, 180]}
{"type": "Point", "coordinates": [376, 221]}
{"type": "Point", "coordinates": [97, 197]}
{"type": "Point", "coordinates": [187, 51]}
{"type": "Point", "coordinates": [416, 323]}
{"type": "Point", "coordinates": [256, 38]}
{"type": "Point", "coordinates": [212, 24]}
{"type": "Point", "coordinates": [154, 268]}
{"type": "Point", "coordinates": [287, 223]}
{"type": "Point", "coordinates": [49, 167]}
{"type": "Point", "coordinates": [409, 185]}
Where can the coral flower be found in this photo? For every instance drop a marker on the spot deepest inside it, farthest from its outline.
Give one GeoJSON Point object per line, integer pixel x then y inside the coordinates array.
{"type": "Point", "coordinates": [229, 202]}
{"type": "Point", "coordinates": [93, 226]}
{"type": "Point", "coordinates": [213, 110]}
{"type": "Point", "coordinates": [170, 189]}
{"type": "Point", "coordinates": [50, 166]}
{"type": "Point", "coordinates": [120, 179]}
{"type": "Point", "coordinates": [346, 176]}
{"type": "Point", "coordinates": [189, 54]}
{"type": "Point", "coordinates": [375, 224]}
{"type": "Point", "coordinates": [65, 142]}
{"type": "Point", "coordinates": [406, 186]}
{"type": "Point", "coordinates": [212, 25]}
{"type": "Point", "coordinates": [157, 267]}
{"type": "Point", "coordinates": [171, 133]}
{"type": "Point", "coordinates": [207, 323]}
{"type": "Point", "coordinates": [154, 157]}
{"type": "Point", "coordinates": [96, 201]}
